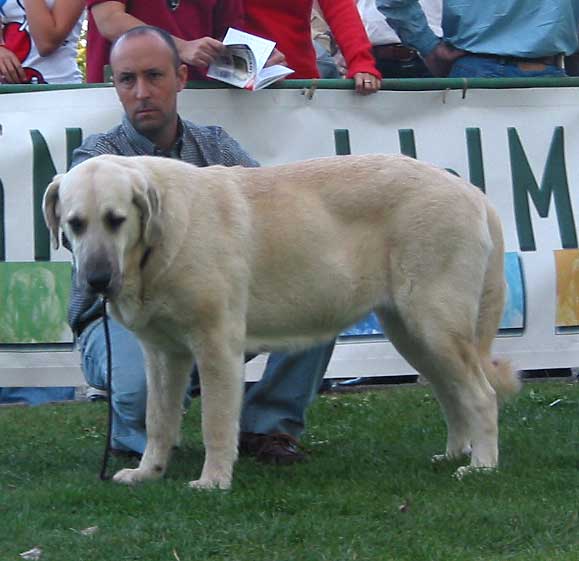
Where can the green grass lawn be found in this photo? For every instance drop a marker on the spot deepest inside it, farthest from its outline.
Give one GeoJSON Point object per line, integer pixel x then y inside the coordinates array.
{"type": "Point", "coordinates": [369, 491]}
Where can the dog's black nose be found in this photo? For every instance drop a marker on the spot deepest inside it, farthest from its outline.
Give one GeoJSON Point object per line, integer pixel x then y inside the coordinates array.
{"type": "Point", "coordinates": [99, 281]}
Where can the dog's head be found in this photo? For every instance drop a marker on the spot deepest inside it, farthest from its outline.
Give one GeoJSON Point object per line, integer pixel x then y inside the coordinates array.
{"type": "Point", "coordinates": [109, 212]}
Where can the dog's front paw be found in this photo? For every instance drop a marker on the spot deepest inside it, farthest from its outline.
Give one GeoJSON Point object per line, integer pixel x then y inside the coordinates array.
{"type": "Point", "coordinates": [439, 458]}
{"type": "Point", "coordinates": [134, 476]}
{"type": "Point", "coordinates": [210, 484]}
{"type": "Point", "coordinates": [451, 456]}
{"type": "Point", "coordinates": [463, 471]}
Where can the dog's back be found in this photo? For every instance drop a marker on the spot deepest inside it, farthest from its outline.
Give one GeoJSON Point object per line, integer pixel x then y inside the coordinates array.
{"type": "Point", "coordinates": [324, 233]}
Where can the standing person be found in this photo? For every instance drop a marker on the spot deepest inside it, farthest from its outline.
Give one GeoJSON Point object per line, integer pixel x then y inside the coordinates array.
{"type": "Point", "coordinates": [394, 59]}
{"type": "Point", "coordinates": [287, 22]}
{"type": "Point", "coordinates": [38, 41]}
{"type": "Point", "coordinates": [510, 38]}
{"type": "Point", "coordinates": [148, 75]}
{"type": "Point", "coordinates": [197, 27]}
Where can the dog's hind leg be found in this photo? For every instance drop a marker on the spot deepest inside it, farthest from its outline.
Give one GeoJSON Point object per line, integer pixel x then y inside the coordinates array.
{"type": "Point", "coordinates": [444, 351]}
{"type": "Point", "coordinates": [167, 379]}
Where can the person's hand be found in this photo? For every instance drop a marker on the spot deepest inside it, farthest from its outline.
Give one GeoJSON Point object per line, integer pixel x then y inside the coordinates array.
{"type": "Point", "coordinates": [11, 71]}
{"type": "Point", "coordinates": [276, 57]}
{"type": "Point", "coordinates": [366, 83]}
{"type": "Point", "coordinates": [440, 60]}
{"type": "Point", "coordinates": [201, 52]}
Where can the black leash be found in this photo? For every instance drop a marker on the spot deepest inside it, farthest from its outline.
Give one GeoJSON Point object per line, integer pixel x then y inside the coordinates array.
{"type": "Point", "coordinates": [103, 474]}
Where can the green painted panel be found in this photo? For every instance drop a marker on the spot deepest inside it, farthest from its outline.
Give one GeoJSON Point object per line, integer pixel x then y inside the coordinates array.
{"type": "Point", "coordinates": [33, 303]}
{"type": "Point", "coordinates": [342, 142]}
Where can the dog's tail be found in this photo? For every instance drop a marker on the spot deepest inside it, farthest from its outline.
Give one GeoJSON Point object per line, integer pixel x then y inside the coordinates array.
{"type": "Point", "coordinates": [501, 377]}
{"type": "Point", "coordinates": [498, 372]}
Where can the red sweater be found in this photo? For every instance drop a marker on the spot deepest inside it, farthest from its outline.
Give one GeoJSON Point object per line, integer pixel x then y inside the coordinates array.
{"type": "Point", "coordinates": [193, 19]}
{"type": "Point", "coordinates": [287, 22]}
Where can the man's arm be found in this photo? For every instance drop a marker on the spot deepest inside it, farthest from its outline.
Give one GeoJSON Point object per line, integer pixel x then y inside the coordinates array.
{"type": "Point", "coordinates": [49, 27]}
{"type": "Point", "coordinates": [407, 18]}
{"type": "Point", "coordinates": [112, 20]}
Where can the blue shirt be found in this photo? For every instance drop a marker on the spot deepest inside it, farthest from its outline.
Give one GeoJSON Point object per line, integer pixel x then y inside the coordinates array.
{"type": "Point", "coordinates": [521, 28]}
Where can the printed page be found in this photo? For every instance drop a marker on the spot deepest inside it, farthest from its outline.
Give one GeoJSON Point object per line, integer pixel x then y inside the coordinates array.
{"type": "Point", "coordinates": [237, 66]}
{"type": "Point", "coordinates": [271, 74]}
{"type": "Point", "coordinates": [260, 47]}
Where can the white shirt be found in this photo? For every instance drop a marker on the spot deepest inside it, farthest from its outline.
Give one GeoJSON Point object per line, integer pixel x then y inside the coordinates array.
{"type": "Point", "coordinates": [59, 67]}
{"type": "Point", "coordinates": [378, 30]}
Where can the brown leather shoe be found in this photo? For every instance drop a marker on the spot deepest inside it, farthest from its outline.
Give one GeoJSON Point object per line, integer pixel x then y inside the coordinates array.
{"type": "Point", "coordinates": [279, 449]}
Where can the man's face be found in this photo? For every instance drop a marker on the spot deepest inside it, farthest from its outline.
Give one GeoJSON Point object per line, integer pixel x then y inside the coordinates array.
{"type": "Point", "coordinates": [147, 83]}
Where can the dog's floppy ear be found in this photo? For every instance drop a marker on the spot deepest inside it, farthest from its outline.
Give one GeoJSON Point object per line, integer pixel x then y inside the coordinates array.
{"type": "Point", "coordinates": [146, 198]}
{"type": "Point", "coordinates": [51, 209]}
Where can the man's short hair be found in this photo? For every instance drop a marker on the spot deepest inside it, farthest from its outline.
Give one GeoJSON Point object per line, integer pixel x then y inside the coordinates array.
{"type": "Point", "coordinates": [152, 30]}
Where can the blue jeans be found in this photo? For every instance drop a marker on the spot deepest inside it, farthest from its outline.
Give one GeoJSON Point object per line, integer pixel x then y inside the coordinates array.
{"type": "Point", "coordinates": [326, 64]}
{"type": "Point", "coordinates": [480, 67]}
{"type": "Point", "coordinates": [277, 403]}
{"type": "Point", "coordinates": [35, 396]}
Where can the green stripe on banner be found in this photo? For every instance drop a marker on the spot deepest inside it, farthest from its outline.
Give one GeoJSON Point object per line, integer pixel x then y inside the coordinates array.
{"type": "Point", "coordinates": [342, 142]}
{"type": "Point", "coordinates": [475, 158]}
{"type": "Point", "coordinates": [407, 143]}
{"type": "Point", "coordinates": [43, 170]}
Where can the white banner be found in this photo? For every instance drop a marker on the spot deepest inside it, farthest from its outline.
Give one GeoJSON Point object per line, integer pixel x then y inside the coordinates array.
{"type": "Point", "coordinates": [519, 145]}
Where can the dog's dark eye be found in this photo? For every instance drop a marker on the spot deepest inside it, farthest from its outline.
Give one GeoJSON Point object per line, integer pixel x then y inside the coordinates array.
{"type": "Point", "coordinates": [114, 221]}
{"type": "Point", "coordinates": [76, 225]}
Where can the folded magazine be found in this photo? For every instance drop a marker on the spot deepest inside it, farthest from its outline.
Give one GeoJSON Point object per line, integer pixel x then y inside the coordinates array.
{"type": "Point", "coordinates": [243, 63]}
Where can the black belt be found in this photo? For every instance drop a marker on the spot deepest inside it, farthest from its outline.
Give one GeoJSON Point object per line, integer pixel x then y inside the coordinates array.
{"type": "Point", "coordinates": [505, 59]}
{"type": "Point", "coordinates": [394, 51]}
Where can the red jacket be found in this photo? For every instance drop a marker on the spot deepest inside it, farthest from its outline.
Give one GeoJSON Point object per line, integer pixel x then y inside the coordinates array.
{"type": "Point", "coordinates": [287, 22]}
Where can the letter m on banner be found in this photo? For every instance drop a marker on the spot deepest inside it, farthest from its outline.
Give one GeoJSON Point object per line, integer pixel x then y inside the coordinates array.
{"type": "Point", "coordinates": [553, 185]}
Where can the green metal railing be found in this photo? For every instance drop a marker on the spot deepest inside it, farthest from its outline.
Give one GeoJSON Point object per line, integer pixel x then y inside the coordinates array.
{"type": "Point", "coordinates": [406, 84]}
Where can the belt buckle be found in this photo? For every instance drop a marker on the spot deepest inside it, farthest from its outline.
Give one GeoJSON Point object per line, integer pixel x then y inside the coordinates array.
{"type": "Point", "coordinates": [531, 66]}
{"type": "Point", "coordinates": [404, 54]}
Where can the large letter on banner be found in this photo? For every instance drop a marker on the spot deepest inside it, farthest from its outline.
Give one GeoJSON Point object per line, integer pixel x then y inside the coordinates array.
{"type": "Point", "coordinates": [554, 181]}
{"type": "Point", "coordinates": [43, 172]}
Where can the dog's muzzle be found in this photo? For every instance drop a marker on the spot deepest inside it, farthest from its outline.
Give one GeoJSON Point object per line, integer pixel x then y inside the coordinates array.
{"type": "Point", "coordinates": [98, 274]}
{"type": "Point", "coordinates": [99, 281]}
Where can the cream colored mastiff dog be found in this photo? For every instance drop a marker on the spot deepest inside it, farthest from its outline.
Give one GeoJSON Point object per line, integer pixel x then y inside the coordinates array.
{"type": "Point", "coordinates": [211, 262]}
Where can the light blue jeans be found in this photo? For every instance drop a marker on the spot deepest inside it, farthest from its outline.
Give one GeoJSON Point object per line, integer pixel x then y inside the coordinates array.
{"type": "Point", "coordinates": [277, 403]}
{"type": "Point", "coordinates": [36, 396]}
{"type": "Point", "coordinates": [480, 67]}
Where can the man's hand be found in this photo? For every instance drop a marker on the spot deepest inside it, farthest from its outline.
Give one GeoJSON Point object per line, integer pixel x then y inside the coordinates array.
{"type": "Point", "coordinates": [366, 83]}
{"type": "Point", "coordinates": [440, 60]}
{"type": "Point", "coordinates": [276, 57]}
{"type": "Point", "coordinates": [11, 71]}
{"type": "Point", "coordinates": [201, 52]}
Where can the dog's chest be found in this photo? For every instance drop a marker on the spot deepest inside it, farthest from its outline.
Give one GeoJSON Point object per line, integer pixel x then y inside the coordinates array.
{"type": "Point", "coordinates": [131, 311]}
{"type": "Point", "coordinates": [153, 322]}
